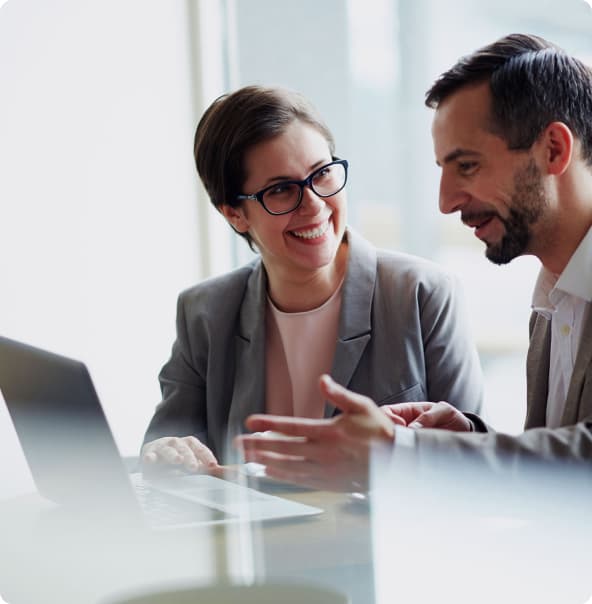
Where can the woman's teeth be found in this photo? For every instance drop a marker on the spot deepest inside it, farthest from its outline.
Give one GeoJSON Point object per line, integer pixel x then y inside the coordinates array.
{"type": "Point", "coordinates": [312, 233]}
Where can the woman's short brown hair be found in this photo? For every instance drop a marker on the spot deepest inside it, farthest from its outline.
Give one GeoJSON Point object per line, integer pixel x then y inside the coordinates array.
{"type": "Point", "coordinates": [235, 122]}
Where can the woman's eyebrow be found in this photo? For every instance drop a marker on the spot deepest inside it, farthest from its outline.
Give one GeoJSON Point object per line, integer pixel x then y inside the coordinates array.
{"type": "Point", "coordinates": [312, 168]}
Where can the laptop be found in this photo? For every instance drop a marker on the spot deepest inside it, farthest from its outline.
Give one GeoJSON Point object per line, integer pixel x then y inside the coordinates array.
{"type": "Point", "coordinates": [74, 459]}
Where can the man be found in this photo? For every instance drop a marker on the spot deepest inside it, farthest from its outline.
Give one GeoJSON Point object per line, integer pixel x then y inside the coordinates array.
{"type": "Point", "coordinates": [512, 135]}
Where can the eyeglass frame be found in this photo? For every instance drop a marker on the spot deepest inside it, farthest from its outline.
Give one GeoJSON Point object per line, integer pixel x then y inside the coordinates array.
{"type": "Point", "coordinates": [307, 182]}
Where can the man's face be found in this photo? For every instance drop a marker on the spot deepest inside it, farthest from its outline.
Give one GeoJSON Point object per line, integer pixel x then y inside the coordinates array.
{"type": "Point", "coordinates": [498, 192]}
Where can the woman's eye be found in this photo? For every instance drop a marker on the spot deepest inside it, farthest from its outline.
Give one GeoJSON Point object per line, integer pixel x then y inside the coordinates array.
{"type": "Point", "coordinates": [323, 175]}
{"type": "Point", "coordinates": [279, 189]}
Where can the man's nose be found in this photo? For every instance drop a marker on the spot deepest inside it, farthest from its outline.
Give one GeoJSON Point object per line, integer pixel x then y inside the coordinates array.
{"type": "Point", "coordinates": [452, 197]}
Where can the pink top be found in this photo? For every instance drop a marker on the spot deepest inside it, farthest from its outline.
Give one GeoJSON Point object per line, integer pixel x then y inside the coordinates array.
{"type": "Point", "coordinates": [299, 347]}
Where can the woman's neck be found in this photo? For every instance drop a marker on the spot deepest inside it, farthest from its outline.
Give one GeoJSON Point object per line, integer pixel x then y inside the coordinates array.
{"type": "Point", "coordinates": [310, 289]}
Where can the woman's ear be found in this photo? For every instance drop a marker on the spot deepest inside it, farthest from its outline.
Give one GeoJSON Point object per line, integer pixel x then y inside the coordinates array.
{"type": "Point", "coordinates": [235, 217]}
{"type": "Point", "coordinates": [558, 143]}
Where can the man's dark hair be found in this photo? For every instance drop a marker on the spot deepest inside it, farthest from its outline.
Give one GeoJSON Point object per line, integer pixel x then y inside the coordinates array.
{"type": "Point", "coordinates": [532, 83]}
{"type": "Point", "coordinates": [233, 124]}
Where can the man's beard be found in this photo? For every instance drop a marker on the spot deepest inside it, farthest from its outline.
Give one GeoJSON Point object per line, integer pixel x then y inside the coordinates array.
{"type": "Point", "coordinates": [528, 205]}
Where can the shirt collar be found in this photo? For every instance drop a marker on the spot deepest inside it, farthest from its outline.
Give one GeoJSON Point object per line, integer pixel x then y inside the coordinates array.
{"type": "Point", "coordinates": [541, 302]}
{"type": "Point", "coordinates": [575, 280]}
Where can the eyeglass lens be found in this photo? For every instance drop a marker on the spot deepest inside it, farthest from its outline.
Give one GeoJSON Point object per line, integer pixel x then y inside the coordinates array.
{"type": "Point", "coordinates": [285, 196]}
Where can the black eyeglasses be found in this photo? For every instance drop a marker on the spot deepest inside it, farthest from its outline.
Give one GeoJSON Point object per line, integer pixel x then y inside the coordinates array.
{"type": "Point", "coordinates": [285, 196]}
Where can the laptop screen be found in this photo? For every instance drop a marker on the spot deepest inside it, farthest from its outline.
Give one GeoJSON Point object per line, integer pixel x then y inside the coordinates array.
{"type": "Point", "coordinates": [74, 460]}
{"type": "Point", "coordinates": [61, 426]}
{"type": "Point", "coordinates": [15, 476]}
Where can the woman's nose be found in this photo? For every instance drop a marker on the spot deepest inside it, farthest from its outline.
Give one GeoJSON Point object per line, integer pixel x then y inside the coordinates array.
{"type": "Point", "coordinates": [311, 202]}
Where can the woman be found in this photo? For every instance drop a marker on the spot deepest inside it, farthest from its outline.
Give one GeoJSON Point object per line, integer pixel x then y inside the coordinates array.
{"type": "Point", "coordinates": [318, 299]}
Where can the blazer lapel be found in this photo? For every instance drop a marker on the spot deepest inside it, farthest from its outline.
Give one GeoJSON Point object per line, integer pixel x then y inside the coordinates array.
{"type": "Point", "coordinates": [572, 410]}
{"type": "Point", "coordinates": [355, 321]}
{"type": "Point", "coordinates": [249, 380]}
{"type": "Point", "coordinates": [537, 371]}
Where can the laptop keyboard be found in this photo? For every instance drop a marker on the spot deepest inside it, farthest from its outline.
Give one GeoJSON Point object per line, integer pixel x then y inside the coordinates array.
{"type": "Point", "coordinates": [164, 510]}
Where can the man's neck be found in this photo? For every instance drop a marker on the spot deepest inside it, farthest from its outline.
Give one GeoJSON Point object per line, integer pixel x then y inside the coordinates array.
{"type": "Point", "coordinates": [569, 220]}
{"type": "Point", "coordinates": [560, 246]}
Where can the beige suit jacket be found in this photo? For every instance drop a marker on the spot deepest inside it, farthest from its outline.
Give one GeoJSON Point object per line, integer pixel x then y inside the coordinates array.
{"type": "Point", "coordinates": [571, 441]}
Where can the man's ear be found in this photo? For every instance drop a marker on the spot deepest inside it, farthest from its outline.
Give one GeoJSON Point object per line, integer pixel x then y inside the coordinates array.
{"type": "Point", "coordinates": [235, 217]}
{"type": "Point", "coordinates": [558, 143]}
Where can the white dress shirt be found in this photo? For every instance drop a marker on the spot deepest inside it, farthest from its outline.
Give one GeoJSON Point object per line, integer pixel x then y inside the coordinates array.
{"type": "Point", "coordinates": [563, 299]}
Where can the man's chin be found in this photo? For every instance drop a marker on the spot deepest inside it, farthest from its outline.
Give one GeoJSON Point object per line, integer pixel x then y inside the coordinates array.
{"type": "Point", "coordinates": [500, 254]}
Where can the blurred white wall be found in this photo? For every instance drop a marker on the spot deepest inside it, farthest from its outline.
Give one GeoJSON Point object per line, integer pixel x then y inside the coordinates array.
{"type": "Point", "coordinates": [98, 210]}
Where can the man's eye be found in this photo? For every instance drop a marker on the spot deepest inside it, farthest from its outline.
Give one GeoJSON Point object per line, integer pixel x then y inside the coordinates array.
{"type": "Point", "coordinates": [467, 167]}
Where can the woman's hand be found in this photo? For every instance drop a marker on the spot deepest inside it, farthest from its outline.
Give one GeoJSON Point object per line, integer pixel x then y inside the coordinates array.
{"type": "Point", "coordinates": [185, 451]}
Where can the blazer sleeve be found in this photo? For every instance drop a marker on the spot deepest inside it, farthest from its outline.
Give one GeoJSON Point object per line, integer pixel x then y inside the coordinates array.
{"type": "Point", "coordinates": [182, 411]}
{"type": "Point", "coordinates": [453, 370]}
{"type": "Point", "coordinates": [496, 450]}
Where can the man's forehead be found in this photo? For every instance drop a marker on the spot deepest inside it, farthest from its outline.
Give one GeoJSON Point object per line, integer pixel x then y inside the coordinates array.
{"type": "Point", "coordinates": [460, 121]}
{"type": "Point", "coordinates": [476, 97]}
{"type": "Point", "coordinates": [468, 106]}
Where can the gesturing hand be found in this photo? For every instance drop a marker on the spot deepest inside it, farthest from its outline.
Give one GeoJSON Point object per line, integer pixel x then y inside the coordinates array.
{"type": "Point", "coordinates": [320, 453]}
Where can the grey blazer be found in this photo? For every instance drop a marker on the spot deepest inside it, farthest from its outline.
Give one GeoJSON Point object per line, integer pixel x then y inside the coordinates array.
{"type": "Point", "coordinates": [571, 441]}
{"type": "Point", "coordinates": [402, 337]}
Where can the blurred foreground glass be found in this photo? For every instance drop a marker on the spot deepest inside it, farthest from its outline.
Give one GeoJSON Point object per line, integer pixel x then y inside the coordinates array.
{"type": "Point", "coordinates": [266, 593]}
{"type": "Point", "coordinates": [517, 530]}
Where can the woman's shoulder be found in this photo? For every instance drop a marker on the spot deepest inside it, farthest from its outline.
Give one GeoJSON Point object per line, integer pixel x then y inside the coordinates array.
{"type": "Point", "coordinates": [221, 290]}
{"type": "Point", "coordinates": [413, 270]}
{"type": "Point", "coordinates": [395, 268]}
{"type": "Point", "coordinates": [392, 260]}
{"type": "Point", "coordinates": [410, 262]}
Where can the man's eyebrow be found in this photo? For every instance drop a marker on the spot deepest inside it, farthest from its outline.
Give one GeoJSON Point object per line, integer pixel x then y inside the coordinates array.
{"type": "Point", "coordinates": [453, 155]}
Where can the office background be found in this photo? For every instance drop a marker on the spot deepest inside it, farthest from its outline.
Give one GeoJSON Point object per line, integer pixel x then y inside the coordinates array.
{"type": "Point", "coordinates": [103, 221]}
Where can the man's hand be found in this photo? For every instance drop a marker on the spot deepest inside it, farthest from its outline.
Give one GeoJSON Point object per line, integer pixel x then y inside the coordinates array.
{"type": "Point", "coordinates": [428, 415]}
{"type": "Point", "coordinates": [320, 453]}
{"type": "Point", "coordinates": [186, 452]}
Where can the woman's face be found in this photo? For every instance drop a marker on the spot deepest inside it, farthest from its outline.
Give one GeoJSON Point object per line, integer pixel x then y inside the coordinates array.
{"type": "Point", "coordinates": [308, 238]}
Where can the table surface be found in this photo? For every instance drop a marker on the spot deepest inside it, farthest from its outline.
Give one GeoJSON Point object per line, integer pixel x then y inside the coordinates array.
{"type": "Point", "coordinates": [46, 554]}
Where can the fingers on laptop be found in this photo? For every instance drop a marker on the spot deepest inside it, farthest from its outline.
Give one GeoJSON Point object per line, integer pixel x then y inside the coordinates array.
{"type": "Point", "coordinates": [186, 451]}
